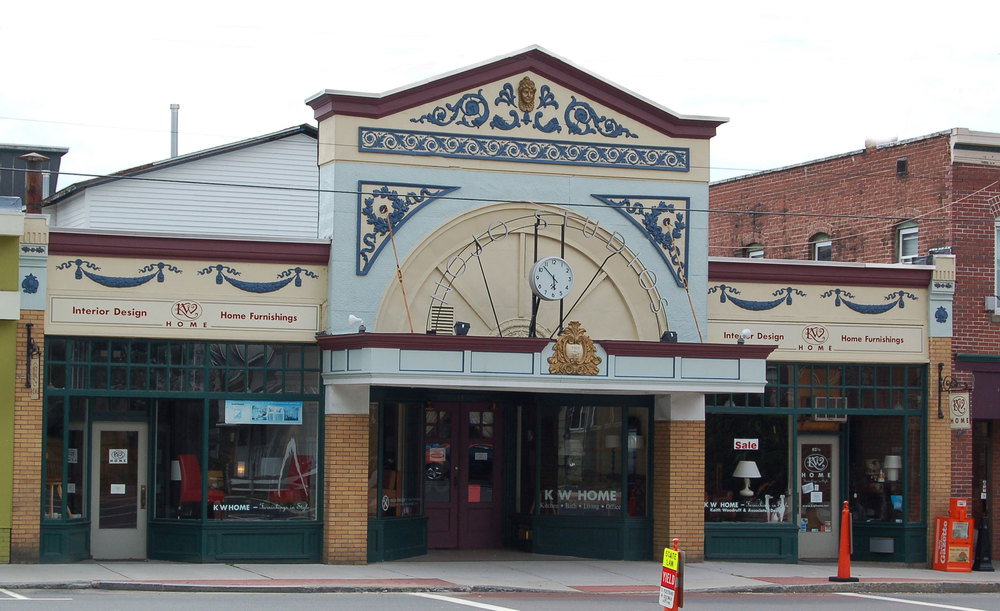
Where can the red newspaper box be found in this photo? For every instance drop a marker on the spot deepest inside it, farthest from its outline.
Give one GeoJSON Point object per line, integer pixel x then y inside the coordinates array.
{"type": "Point", "coordinates": [953, 539]}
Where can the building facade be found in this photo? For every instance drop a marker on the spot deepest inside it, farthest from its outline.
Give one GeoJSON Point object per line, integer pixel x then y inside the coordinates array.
{"type": "Point", "coordinates": [848, 415]}
{"type": "Point", "coordinates": [495, 324]}
{"type": "Point", "coordinates": [898, 201]}
{"type": "Point", "coordinates": [523, 245]}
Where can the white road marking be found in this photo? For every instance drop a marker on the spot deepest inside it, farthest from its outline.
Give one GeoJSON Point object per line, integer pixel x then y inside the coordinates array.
{"type": "Point", "coordinates": [16, 596]}
{"type": "Point", "coordinates": [457, 601]}
{"type": "Point", "coordinates": [909, 602]}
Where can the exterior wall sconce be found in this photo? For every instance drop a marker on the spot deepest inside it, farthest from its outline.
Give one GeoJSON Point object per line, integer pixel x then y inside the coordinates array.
{"type": "Point", "coordinates": [31, 350]}
{"type": "Point", "coordinates": [354, 320]}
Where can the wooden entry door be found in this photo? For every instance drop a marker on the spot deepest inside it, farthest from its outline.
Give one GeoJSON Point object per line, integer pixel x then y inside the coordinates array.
{"type": "Point", "coordinates": [462, 465]}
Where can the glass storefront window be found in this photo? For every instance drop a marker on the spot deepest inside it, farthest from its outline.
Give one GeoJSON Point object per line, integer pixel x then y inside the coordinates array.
{"type": "Point", "coordinates": [65, 457]}
{"type": "Point", "coordinates": [76, 454]}
{"type": "Point", "coordinates": [179, 459]}
{"type": "Point", "coordinates": [747, 462]}
{"type": "Point", "coordinates": [263, 460]}
{"type": "Point", "coordinates": [877, 460]}
{"type": "Point", "coordinates": [398, 494]}
{"type": "Point", "coordinates": [581, 458]}
{"type": "Point", "coordinates": [54, 457]}
{"type": "Point", "coordinates": [527, 458]}
{"type": "Point", "coordinates": [636, 442]}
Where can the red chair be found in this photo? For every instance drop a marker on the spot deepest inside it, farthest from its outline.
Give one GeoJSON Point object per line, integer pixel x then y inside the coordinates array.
{"type": "Point", "coordinates": [297, 482]}
{"type": "Point", "coordinates": [191, 482]}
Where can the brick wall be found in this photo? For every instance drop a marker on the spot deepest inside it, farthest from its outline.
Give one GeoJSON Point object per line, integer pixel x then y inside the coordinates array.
{"type": "Point", "coordinates": [27, 447]}
{"type": "Point", "coordinates": [345, 509]}
{"type": "Point", "coordinates": [840, 196]}
{"type": "Point", "coordinates": [939, 437]}
{"type": "Point", "coordinates": [679, 488]}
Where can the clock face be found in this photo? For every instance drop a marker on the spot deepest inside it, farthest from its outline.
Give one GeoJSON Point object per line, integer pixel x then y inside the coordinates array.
{"type": "Point", "coordinates": [551, 278]}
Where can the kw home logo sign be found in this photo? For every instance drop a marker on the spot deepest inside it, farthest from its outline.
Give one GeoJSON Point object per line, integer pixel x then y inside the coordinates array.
{"type": "Point", "coordinates": [960, 418]}
{"type": "Point", "coordinates": [182, 314]}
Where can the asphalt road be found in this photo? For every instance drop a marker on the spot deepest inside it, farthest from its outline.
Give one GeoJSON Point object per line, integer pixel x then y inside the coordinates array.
{"type": "Point", "coordinates": [104, 600]}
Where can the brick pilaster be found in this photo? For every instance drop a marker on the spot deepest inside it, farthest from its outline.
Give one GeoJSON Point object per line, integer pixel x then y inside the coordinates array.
{"type": "Point", "coordinates": [679, 488]}
{"type": "Point", "coordinates": [28, 441]}
{"type": "Point", "coordinates": [939, 440]}
{"type": "Point", "coordinates": [345, 508]}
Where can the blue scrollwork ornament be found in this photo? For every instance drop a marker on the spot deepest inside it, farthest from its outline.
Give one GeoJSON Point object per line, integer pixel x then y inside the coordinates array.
{"type": "Point", "coordinates": [471, 110]}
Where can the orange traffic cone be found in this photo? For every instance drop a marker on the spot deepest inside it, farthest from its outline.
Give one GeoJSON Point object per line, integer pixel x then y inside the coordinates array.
{"type": "Point", "coordinates": [844, 560]}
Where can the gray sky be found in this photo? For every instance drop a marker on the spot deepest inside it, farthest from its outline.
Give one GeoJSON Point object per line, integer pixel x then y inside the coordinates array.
{"type": "Point", "coordinates": [797, 80]}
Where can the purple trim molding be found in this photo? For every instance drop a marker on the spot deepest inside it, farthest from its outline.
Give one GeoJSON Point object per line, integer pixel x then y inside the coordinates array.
{"type": "Point", "coordinates": [328, 104]}
{"type": "Point", "coordinates": [804, 273]}
{"type": "Point", "coordinates": [108, 245]}
{"type": "Point", "coordinates": [417, 341]}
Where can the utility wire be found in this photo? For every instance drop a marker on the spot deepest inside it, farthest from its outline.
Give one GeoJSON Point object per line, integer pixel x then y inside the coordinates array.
{"type": "Point", "coordinates": [456, 198]}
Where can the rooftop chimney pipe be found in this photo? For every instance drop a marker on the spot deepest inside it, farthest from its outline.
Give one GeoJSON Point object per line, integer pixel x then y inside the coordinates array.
{"type": "Point", "coordinates": [173, 129]}
{"type": "Point", "coordinates": [33, 182]}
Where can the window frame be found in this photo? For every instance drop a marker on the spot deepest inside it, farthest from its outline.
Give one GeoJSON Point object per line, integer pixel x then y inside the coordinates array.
{"type": "Point", "coordinates": [996, 265]}
{"type": "Point", "coordinates": [904, 233]}
{"type": "Point", "coordinates": [819, 242]}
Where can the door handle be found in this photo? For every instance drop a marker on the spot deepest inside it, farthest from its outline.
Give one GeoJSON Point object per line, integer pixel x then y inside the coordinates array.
{"type": "Point", "coordinates": [142, 497]}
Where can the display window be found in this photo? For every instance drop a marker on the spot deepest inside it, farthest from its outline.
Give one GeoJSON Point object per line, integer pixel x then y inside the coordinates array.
{"type": "Point", "coordinates": [881, 488]}
{"type": "Point", "coordinates": [395, 465]}
{"type": "Point", "coordinates": [592, 461]}
{"type": "Point", "coordinates": [747, 468]}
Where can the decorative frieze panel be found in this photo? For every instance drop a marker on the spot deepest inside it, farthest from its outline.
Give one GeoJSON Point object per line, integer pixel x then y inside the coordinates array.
{"type": "Point", "coordinates": [383, 208]}
{"type": "Point", "coordinates": [156, 271]}
{"type": "Point", "coordinates": [473, 110]}
{"type": "Point", "coordinates": [664, 222]}
{"type": "Point", "coordinates": [496, 148]}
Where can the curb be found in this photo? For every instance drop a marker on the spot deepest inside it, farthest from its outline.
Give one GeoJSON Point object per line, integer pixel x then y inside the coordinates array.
{"type": "Point", "coordinates": [951, 587]}
{"type": "Point", "coordinates": [861, 587]}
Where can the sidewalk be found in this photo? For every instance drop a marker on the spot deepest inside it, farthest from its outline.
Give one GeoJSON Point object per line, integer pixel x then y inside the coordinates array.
{"type": "Point", "coordinates": [488, 571]}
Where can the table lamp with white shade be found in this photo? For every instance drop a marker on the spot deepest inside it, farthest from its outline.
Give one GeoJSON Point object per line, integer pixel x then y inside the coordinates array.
{"type": "Point", "coordinates": [746, 469]}
{"type": "Point", "coordinates": [893, 463]}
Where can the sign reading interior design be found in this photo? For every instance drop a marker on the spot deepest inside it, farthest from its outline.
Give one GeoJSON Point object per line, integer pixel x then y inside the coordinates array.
{"type": "Point", "coordinates": [175, 316]}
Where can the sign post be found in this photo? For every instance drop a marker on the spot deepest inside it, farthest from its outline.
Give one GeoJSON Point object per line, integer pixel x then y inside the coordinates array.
{"type": "Point", "coordinates": [671, 588]}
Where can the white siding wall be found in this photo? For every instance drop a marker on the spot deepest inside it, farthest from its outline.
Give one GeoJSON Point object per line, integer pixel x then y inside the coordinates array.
{"type": "Point", "coordinates": [71, 213]}
{"type": "Point", "coordinates": [226, 199]}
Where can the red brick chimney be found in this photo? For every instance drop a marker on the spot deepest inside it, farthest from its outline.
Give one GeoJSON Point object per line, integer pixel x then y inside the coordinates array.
{"type": "Point", "coordinates": [33, 182]}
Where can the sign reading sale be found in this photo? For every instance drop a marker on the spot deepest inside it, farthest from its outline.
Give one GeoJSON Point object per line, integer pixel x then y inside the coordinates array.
{"type": "Point", "coordinates": [668, 578]}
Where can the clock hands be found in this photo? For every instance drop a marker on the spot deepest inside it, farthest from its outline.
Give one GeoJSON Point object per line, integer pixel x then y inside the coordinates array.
{"type": "Point", "coordinates": [551, 275]}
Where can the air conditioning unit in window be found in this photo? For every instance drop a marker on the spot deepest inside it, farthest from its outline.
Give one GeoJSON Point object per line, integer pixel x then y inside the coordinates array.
{"type": "Point", "coordinates": [990, 303]}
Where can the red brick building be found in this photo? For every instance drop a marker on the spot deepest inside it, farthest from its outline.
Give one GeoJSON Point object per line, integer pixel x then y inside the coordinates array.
{"type": "Point", "coordinates": [898, 202]}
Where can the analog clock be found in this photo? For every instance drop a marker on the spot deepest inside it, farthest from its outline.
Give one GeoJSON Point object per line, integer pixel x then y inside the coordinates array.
{"type": "Point", "coordinates": [551, 278]}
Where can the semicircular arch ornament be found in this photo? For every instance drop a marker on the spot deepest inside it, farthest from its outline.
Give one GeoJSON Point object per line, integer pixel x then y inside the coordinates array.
{"type": "Point", "coordinates": [475, 267]}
